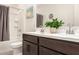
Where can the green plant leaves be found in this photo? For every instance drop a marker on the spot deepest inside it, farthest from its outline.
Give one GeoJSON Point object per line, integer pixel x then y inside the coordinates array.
{"type": "Point", "coordinates": [55, 23]}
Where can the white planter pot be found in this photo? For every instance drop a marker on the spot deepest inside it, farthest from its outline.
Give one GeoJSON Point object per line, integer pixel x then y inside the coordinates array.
{"type": "Point", "coordinates": [47, 30]}
{"type": "Point", "coordinates": [53, 30]}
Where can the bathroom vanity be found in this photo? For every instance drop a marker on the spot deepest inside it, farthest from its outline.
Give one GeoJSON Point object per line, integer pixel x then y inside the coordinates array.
{"type": "Point", "coordinates": [50, 44]}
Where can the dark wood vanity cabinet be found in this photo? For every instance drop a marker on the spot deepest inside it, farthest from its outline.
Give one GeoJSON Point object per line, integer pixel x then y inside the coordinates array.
{"type": "Point", "coordinates": [29, 48]}
{"type": "Point", "coordinates": [45, 51]}
{"type": "Point", "coordinates": [30, 38]}
{"type": "Point", "coordinates": [61, 46]}
{"type": "Point", "coordinates": [35, 45]}
{"type": "Point", "coordinates": [30, 45]}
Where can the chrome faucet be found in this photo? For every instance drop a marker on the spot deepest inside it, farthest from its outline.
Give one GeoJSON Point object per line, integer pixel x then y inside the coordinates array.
{"type": "Point", "coordinates": [70, 30]}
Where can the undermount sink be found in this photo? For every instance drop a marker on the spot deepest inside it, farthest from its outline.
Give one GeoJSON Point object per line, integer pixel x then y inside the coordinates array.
{"type": "Point", "coordinates": [60, 32]}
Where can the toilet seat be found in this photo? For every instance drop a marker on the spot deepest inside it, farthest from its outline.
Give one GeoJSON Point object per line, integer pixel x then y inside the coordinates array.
{"type": "Point", "coordinates": [16, 44]}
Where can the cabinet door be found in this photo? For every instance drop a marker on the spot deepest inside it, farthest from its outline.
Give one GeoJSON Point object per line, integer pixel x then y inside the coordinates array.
{"type": "Point", "coordinates": [45, 51]}
{"type": "Point", "coordinates": [29, 48]}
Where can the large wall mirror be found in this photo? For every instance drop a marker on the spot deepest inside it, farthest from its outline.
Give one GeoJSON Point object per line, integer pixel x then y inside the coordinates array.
{"type": "Point", "coordinates": [69, 13]}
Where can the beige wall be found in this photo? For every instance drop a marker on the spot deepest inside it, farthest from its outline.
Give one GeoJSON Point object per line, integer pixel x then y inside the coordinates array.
{"type": "Point", "coordinates": [76, 15]}
{"type": "Point", "coordinates": [30, 24]}
{"type": "Point", "coordinates": [61, 11]}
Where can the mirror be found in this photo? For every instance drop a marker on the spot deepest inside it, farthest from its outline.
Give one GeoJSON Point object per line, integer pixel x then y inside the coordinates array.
{"type": "Point", "coordinates": [69, 13]}
{"type": "Point", "coordinates": [39, 20]}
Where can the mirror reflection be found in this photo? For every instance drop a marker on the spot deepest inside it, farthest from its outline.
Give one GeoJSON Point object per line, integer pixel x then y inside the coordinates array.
{"type": "Point", "coordinates": [68, 13]}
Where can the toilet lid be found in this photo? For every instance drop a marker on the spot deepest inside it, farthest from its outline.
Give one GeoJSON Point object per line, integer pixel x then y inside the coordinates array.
{"type": "Point", "coordinates": [16, 44]}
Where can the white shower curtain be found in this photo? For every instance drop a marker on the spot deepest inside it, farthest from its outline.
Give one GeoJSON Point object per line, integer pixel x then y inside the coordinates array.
{"type": "Point", "coordinates": [4, 23]}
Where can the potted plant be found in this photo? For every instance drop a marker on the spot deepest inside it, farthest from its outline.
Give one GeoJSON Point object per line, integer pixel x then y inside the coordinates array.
{"type": "Point", "coordinates": [54, 24]}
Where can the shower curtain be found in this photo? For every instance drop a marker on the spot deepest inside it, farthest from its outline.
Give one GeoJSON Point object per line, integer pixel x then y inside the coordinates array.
{"type": "Point", "coordinates": [4, 23]}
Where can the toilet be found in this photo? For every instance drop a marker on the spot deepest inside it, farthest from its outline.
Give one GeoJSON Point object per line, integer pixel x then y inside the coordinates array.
{"type": "Point", "coordinates": [17, 47]}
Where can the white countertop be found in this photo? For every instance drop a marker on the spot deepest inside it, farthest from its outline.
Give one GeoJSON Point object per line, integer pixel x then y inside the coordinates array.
{"type": "Point", "coordinates": [60, 36]}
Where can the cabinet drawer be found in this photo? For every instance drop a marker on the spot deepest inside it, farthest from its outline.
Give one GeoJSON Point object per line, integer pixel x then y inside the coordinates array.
{"type": "Point", "coordinates": [30, 38]}
{"type": "Point", "coordinates": [59, 45]}
{"type": "Point", "coordinates": [29, 48]}
{"type": "Point", "coordinates": [45, 51]}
